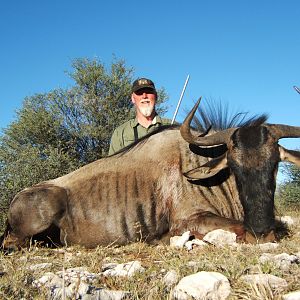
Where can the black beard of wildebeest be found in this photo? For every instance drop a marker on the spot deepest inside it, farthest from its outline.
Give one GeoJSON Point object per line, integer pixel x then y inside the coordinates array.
{"type": "Point", "coordinates": [174, 180]}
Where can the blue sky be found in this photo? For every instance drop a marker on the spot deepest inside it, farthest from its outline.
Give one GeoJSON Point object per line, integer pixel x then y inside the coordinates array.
{"type": "Point", "coordinates": [245, 53]}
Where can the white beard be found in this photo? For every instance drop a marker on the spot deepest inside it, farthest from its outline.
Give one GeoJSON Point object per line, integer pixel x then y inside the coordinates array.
{"type": "Point", "coordinates": [146, 111]}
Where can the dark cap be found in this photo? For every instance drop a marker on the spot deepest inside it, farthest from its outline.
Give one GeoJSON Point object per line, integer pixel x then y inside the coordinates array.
{"type": "Point", "coordinates": [142, 83]}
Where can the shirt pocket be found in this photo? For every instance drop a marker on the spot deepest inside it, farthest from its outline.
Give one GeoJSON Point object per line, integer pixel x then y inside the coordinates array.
{"type": "Point", "coordinates": [128, 140]}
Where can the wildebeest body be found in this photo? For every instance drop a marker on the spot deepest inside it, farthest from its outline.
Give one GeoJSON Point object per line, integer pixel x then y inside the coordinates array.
{"type": "Point", "coordinates": [138, 194]}
{"type": "Point", "coordinates": [141, 193]}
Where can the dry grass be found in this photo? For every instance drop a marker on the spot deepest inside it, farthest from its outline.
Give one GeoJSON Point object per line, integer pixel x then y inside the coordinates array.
{"type": "Point", "coordinates": [16, 280]}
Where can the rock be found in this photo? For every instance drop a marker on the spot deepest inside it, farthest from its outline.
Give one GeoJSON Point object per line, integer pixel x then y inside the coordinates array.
{"type": "Point", "coordinates": [202, 285]}
{"type": "Point", "coordinates": [183, 241]}
{"type": "Point", "coordinates": [289, 221]}
{"type": "Point", "coordinates": [75, 290]}
{"type": "Point", "coordinates": [195, 242]}
{"type": "Point", "coordinates": [265, 257]}
{"type": "Point", "coordinates": [103, 294]}
{"type": "Point", "coordinates": [170, 278]}
{"type": "Point", "coordinates": [72, 283]}
{"type": "Point", "coordinates": [39, 266]}
{"type": "Point", "coordinates": [72, 287]}
{"type": "Point", "coordinates": [267, 246]}
{"type": "Point", "coordinates": [282, 261]}
{"type": "Point", "coordinates": [180, 295]}
{"type": "Point", "coordinates": [267, 280]}
{"type": "Point", "coordinates": [220, 237]}
{"type": "Point", "coordinates": [36, 257]}
{"type": "Point", "coordinates": [179, 241]}
{"type": "Point", "coordinates": [79, 273]}
{"type": "Point", "coordinates": [192, 263]}
{"type": "Point", "coordinates": [292, 296]}
{"type": "Point", "coordinates": [48, 279]}
{"type": "Point", "coordinates": [123, 270]}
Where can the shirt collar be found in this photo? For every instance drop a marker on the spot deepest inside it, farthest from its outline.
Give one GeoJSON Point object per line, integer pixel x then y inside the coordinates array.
{"type": "Point", "coordinates": [157, 119]}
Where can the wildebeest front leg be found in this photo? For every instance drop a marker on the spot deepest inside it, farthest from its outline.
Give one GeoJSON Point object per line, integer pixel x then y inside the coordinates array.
{"type": "Point", "coordinates": [201, 223]}
{"type": "Point", "coordinates": [32, 212]}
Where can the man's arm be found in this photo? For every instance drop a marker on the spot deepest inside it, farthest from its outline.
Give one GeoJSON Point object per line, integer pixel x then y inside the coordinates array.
{"type": "Point", "coordinates": [116, 142]}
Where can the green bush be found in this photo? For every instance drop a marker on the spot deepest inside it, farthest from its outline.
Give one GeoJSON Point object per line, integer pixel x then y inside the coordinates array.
{"type": "Point", "coordinates": [289, 191]}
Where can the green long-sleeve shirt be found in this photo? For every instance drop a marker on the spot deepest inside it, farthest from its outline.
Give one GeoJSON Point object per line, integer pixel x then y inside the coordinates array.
{"type": "Point", "coordinates": [124, 134]}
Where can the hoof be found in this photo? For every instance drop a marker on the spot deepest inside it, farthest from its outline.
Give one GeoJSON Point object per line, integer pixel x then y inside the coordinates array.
{"type": "Point", "coordinates": [253, 239]}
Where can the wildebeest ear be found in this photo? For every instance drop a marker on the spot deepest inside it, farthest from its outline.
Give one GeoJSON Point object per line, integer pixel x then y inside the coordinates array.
{"type": "Point", "coordinates": [209, 169]}
{"type": "Point", "coordinates": [289, 156]}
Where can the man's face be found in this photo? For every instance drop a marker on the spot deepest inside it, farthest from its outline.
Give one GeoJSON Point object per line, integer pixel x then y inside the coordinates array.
{"type": "Point", "coordinates": [144, 101]}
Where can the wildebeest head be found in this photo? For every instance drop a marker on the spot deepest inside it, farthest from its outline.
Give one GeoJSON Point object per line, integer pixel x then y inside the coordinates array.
{"type": "Point", "coordinates": [252, 155]}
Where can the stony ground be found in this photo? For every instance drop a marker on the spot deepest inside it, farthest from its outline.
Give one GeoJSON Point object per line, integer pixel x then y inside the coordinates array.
{"type": "Point", "coordinates": [21, 272]}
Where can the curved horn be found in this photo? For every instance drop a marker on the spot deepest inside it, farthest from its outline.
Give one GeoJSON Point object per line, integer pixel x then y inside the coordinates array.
{"type": "Point", "coordinates": [217, 138]}
{"type": "Point", "coordinates": [185, 127]}
{"type": "Point", "coordinates": [280, 131]}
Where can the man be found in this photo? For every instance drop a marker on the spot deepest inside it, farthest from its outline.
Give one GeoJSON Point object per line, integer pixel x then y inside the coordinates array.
{"type": "Point", "coordinates": [143, 97]}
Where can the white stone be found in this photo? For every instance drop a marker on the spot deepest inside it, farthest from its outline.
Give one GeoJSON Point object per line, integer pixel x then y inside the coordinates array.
{"type": "Point", "coordinates": [180, 295]}
{"type": "Point", "coordinates": [265, 257]}
{"type": "Point", "coordinates": [266, 280]}
{"type": "Point", "coordinates": [39, 266]}
{"type": "Point", "coordinates": [36, 257]}
{"type": "Point", "coordinates": [77, 289]}
{"type": "Point", "coordinates": [103, 294]}
{"type": "Point", "coordinates": [285, 260]}
{"type": "Point", "coordinates": [195, 242]}
{"type": "Point", "coordinates": [220, 237]}
{"type": "Point", "coordinates": [179, 241]}
{"type": "Point", "coordinates": [192, 263]}
{"type": "Point", "coordinates": [57, 293]}
{"type": "Point", "coordinates": [67, 277]}
{"type": "Point", "coordinates": [45, 280]}
{"type": "Point", "coordinates": [292, 296]}
{"type": "Point", "coordinates": [123, 270]}
{"type": "Point", "coordinates": [170, 278]}
{"type": "Point", "coordinates": [282, 261]}
{"type": "Point", "coordinates": [79, 273]}
{"type": "Point", "coordinates": [73, 284]}
{"type": "Point", "coordinates": [267, 246]}
{"type": "Point", "coordinates": [108, 266]}
{"type": "Point", "coordinates": [202, 285]}
{"type": "Point", "coordinates": [287, 220]}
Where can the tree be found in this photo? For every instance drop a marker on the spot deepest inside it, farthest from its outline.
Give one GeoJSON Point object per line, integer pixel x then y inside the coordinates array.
{"type": "Point", "coordinates": [57, 132]}
{"type": "Point", "coordinates": [289, 191]}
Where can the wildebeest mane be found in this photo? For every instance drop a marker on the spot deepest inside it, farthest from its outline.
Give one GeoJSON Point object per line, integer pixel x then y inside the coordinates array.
{"type": "Point", "coordinates": [218, 116]}
{"type": "Point", "coordinates": [144, 138]}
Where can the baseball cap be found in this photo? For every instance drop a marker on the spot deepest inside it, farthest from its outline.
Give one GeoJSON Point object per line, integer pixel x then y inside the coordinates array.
{"type": "Point", "coordinates": [142, 83]}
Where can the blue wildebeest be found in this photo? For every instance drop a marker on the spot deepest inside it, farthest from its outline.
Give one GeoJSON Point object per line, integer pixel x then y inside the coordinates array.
{"type": "Point", "coordinates": [170, 182]}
